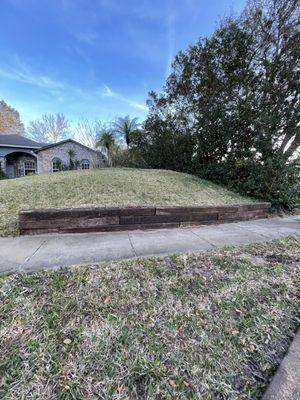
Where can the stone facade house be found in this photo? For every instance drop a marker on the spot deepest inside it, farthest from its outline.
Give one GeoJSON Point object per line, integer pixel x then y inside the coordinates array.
{"type": "Point", "coordinates": [20, 156]}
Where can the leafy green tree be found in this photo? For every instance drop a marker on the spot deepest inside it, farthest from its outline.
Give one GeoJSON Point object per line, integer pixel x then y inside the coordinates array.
{"type": "Point", "coordinates": [234, 95]}
{"type": "Point", "coordinates": [125, 127]}
{"type": "Point", "coordinates": [275, 35]}
{"type": "Point", "coordinates": [164, 145]}
{"type": "Point", "coordinates": [197, 106]}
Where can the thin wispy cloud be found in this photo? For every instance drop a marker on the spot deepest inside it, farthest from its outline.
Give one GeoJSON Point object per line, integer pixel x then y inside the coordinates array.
{"type": "Point", "coordinates": [95, 59]}
{"type": "Point", "coordinates": [86, 37]}
{"type": "Point", "coordinates": [64, 93]}
{"type": "Point", "coordinates": [108, 92]}
{"type": "Point", "coordinates": [22, 73]}
{"type": "Point", "coordinates": [138, 106]}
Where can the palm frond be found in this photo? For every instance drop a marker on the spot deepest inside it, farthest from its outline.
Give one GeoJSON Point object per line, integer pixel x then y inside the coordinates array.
{"type": "Point", "coordinates": [125, 126]}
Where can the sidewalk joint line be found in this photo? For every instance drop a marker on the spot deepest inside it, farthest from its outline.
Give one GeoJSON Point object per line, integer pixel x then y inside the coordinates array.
{"type": "Point", "coordinates": [131, 244]}
{"type": "Point", "coordinates": [205, 240]}
{"type": "Point", "coordinates": [28, 258]}
{"type": "Point", "coordinates": [253, 231]}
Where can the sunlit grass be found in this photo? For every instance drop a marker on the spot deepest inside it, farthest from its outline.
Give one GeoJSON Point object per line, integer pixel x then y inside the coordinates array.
{"type": "Point", "coordinates": [192, 326]}
{"type": "Point", "coordinates": [106, 187]}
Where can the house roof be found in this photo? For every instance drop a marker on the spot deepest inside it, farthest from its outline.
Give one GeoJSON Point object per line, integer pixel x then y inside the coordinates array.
{"type": "Point", "coordinates": [18, 141]}
{"type": "Point", "coordinates": [48, 146]}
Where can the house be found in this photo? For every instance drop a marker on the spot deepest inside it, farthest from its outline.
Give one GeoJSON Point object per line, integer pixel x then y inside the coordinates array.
{"type": "Point", "coordinates": [20, 156]}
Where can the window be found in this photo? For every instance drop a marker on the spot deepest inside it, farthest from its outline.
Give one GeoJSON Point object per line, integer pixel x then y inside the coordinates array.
{"type": "Point", "coordinates": [85, 164]}
{"type": "Point", "coordinates": [56, 164]}
{"type": "Point", "coordinates": [29, 167]}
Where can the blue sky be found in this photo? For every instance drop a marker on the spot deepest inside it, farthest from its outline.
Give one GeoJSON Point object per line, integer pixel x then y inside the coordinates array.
{"type": "Point", "coordinates": [96, 59]}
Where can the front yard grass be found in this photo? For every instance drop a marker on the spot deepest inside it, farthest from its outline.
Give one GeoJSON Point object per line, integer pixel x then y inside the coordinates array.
{"type": "Point", "coordinates": [209, 325]}
{"type": "Point", "coordinates": [106, 187]}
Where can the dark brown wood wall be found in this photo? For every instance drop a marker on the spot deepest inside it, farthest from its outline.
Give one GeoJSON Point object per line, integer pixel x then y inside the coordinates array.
{"type": "Point", "coordinates": [72, 220]}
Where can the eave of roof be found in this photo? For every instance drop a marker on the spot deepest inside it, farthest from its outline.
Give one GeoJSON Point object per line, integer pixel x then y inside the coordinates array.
{"type": "Point", "coordinates": [19, 146]}
{"type": "Point", "coordinates": [65, 141]}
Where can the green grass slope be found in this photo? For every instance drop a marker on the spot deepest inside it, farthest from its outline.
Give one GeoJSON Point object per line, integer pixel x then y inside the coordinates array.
{"type": "Point", "coordinates": [106, 187]}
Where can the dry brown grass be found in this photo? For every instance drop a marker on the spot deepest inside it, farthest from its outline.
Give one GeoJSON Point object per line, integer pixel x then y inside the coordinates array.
{"type": "Point", "coordinates": [206, 325]}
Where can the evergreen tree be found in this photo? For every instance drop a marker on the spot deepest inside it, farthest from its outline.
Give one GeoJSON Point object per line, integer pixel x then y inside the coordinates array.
{"type": "Point", "coordinates": [232, 96]}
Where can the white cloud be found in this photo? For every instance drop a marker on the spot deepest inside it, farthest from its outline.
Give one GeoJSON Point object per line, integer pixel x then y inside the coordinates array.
{"type": "Point", "coordinates": [108, 92]}
{"type": "Point", "coordinates": [86, 37]}
{"type": "Point", "coordinates": [42, 81]}
{"type": "Point", "coordinates": [139, 106]}
{"type": "Point", "coordinates": [22, 73]}
{"type": "Point", "coordinates": [55, 95]}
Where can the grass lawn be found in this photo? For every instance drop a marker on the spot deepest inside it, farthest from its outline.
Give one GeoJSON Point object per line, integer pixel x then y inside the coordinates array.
{"type": "Point", "coordinates": [209, 325]}
{"type": "Point", "coordinates": [106, 187]}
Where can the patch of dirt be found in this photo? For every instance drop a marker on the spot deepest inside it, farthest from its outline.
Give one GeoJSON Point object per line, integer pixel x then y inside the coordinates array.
{"type": "Point", "coordinates": [271, 258]}
{"type": "Point", "coordinates": [282, 259]}
{"type": "Point", "coordinates": [256, 260]}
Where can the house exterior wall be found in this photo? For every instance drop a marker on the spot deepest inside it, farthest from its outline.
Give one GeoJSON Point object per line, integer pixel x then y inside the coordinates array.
{"type": "Point", "coordinates": [13, 165]}
{"type": "Point", "coordinates": [45, 157]}
{"type": "Point", "coordinates": [20, 164]}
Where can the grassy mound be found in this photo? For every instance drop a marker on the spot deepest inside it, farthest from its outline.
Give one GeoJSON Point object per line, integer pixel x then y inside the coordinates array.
{"type": "Point", "coordinates": [207, 325]}
{"type": "Point", "coordinates": [106, 187]}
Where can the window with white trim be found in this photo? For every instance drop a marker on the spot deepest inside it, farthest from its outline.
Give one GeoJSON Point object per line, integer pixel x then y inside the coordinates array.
{"type": "Point", "coordinates": [85, 164]}
{"type": "Point", "coordinates": [29, 167]}
{"type": "Point", "coordinates": [56, 164]}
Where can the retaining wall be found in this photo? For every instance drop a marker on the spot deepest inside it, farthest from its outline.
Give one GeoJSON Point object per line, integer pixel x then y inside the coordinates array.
{"type": "Point", "coordinates": [75, 220]}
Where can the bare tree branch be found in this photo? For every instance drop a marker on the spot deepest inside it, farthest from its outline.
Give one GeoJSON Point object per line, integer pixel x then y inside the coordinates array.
{"type": "Point", "coordinates": [88, 132]}
{"type": "Point", "coordinates": [49, 129]}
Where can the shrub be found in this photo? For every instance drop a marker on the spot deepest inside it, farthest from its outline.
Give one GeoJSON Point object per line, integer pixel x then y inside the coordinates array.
{"type": "Point", "coordinates": [128, 158]}
{"type": "Point", "coordinates": [274, 180]}
{"type": "Point", "coordinates": [2, 175]}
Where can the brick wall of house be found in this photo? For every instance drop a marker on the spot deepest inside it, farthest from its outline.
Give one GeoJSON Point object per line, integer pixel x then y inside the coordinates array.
{"type": "Point", "coordinates": [60, 151]}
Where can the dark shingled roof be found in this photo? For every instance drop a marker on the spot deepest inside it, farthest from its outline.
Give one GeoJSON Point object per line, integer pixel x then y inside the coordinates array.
{"type": "Point", "coordinates": [19, 141]}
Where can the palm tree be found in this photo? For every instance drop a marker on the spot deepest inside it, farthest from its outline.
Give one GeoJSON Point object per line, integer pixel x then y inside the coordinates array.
{"type": "Point", "coordinates": [107, 140]}
{"type": "Point", "coordinates": [72, 154]}
{"type": "Point", "coordinates": [124, 127]}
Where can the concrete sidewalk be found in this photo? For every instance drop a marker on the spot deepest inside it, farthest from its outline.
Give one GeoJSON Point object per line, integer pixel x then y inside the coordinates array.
{"type": "Point", "coordinates": [286, 383]}
{"type": "Point", "coordinates": [30, 253]}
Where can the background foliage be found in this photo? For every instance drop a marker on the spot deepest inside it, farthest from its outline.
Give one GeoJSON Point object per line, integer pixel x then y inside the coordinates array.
{"type": "Point", "coordinates": [229, 111]}
{"type": "Point", "coordinates": [273, 181]}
